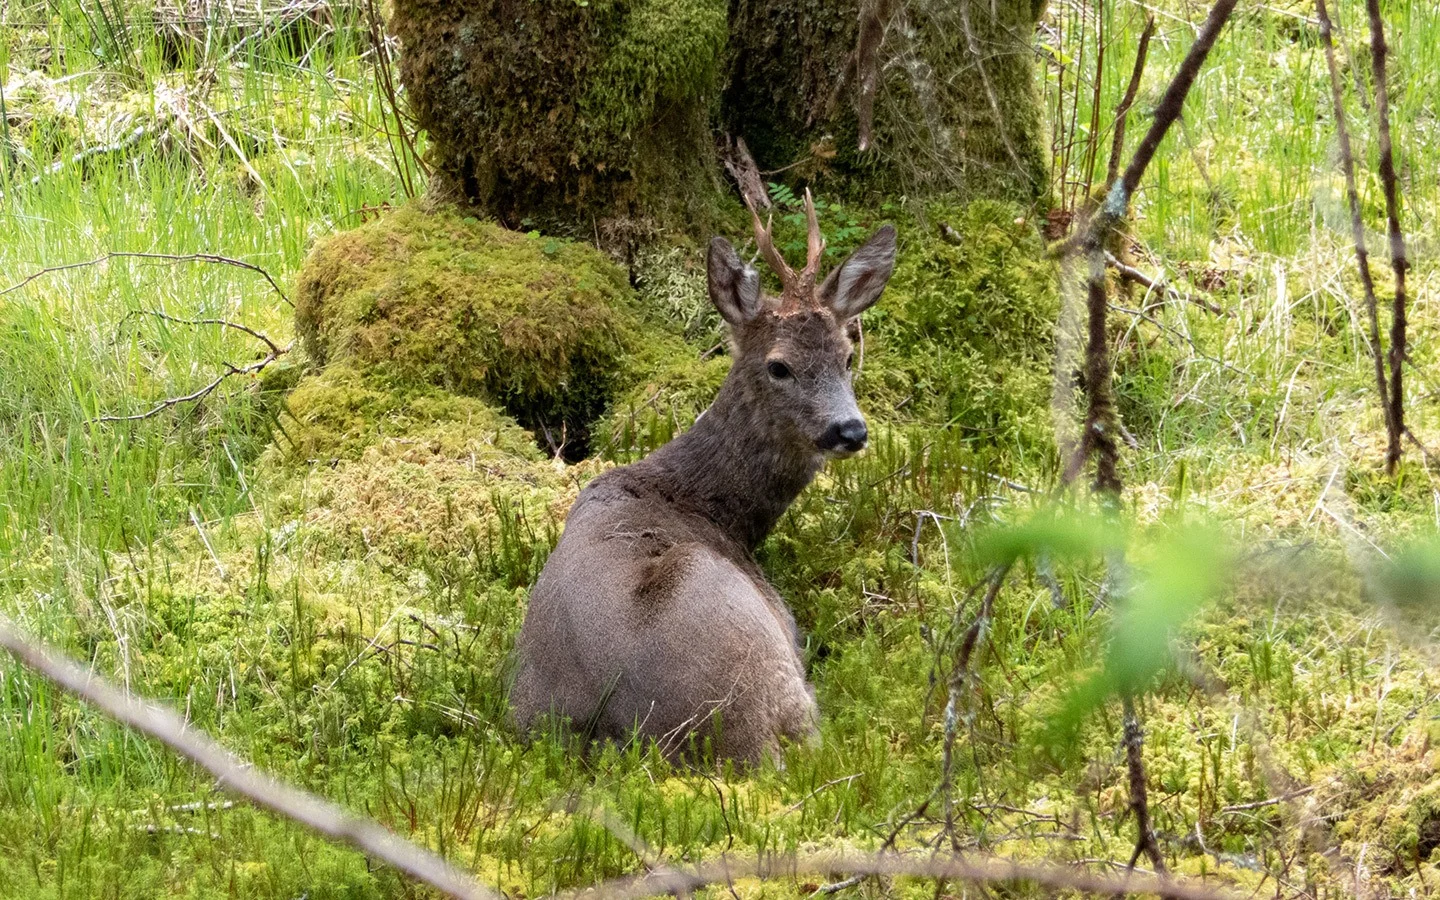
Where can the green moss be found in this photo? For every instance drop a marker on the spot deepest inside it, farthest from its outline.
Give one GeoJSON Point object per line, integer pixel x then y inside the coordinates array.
{"type": "Point", "coordinates": [339, 413]}
{"type": "Point", "coordinates": [544, 327]}
{"type": "Point", "coordinates": [964, 335]}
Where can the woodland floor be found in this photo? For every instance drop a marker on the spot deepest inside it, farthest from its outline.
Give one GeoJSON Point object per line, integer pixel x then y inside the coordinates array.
{"type": "Point", "coordinates": [322, 623]}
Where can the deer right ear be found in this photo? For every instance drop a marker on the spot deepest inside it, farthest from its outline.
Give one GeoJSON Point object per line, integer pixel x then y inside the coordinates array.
{"type": "Point", "coordinates": [734, 286]}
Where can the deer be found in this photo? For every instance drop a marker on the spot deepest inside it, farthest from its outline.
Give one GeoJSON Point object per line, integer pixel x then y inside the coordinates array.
{"type": "Point", "coordinates": [652, 619]}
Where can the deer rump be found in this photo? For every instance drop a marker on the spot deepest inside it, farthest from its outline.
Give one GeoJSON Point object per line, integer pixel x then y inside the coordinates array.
{"type": "Point", "coordinates": [642, 625]}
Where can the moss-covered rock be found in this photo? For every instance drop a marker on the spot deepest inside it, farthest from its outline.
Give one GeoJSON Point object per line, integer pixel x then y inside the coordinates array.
{"type": "Point", "coordinates": [544, 327]}
{"type": "Point", "coordinates": [559, 111]}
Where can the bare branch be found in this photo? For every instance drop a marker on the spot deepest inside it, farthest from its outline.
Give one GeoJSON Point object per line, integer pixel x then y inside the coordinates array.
{"type": "Point", "coordinates": [1159, 284]}
{"type": "Point", "coordinates": [203, 392]}
{"type": "Point", "coordinates": [167, 257]}
{"type": "Point", "coordinates": [1122, 112]}
{"type": "Point", "coordinates": [223, 323]}
{"type": "Point", "coordinates": [972, 867]}
{"type": "Point", "coordinates": [1357, 224]}
{"type": "Point", "coordinates": [237, 777]}
{"type": "Point", "coordinates": [1398, 261]}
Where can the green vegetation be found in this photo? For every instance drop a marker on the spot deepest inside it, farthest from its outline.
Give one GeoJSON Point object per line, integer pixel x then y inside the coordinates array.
{"type": "Point", "coordinates": [325, 567]}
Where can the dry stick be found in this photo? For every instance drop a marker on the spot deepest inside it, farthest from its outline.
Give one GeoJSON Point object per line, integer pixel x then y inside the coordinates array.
{"type": "Point", "coordinates": [1159, 285]}
{"type": "Point", "coordinates": [202, 392]}
{"type": "Point", "coordinates": [977, 868]}
{"type": "Point", "coordinates": [223, 323]}
{"type": "Point", "coordinates": [167, 257]}
{"type": "Point", "coordinates": [1357, 224]}
{"type": "Point", "coordinates": [959, 676]}
{"type": "Point", "coordinates": [1139, 798]}
{"type": "Point", "coordinates": [1122, 112]}
{"type": "Point", "coordinates": [319, 815]}
{"type": "Point", "coordinates": [1398, 261]}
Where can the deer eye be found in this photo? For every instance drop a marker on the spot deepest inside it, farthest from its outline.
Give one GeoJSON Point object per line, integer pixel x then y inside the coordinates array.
{"type": "Point", "coordinates": [778, 370]}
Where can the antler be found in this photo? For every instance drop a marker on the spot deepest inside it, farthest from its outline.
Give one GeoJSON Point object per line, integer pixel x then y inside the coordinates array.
{"type": "Point", "coordinates": [766, 243]}
{"type": "Point", "coordinates": [815, 247]}
{"type": "Point", "coordinates": [790, 281]}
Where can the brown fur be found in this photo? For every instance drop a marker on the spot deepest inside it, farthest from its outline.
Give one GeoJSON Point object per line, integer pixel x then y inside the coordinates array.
{"type": "Point", "coordinates": [652, 615]}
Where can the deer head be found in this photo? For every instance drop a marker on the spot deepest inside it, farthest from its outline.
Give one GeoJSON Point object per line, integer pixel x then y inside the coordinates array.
{"type": "Point", "coordinates": [793, 353]}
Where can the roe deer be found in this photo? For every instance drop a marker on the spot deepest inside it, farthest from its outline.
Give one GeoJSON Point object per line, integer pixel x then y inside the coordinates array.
{"type": "Point", "coordinates": [652, 614]}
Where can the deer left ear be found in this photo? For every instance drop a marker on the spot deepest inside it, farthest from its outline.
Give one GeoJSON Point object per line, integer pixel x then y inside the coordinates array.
{"type": "Point", "coordinates": [857, 283]}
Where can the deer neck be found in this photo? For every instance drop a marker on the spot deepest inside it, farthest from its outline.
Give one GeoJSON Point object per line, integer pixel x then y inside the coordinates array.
{"type": "Point", "coordinates": [733, 468]}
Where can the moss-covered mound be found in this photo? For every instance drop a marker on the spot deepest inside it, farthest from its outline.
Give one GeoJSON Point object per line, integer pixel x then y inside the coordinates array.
{"type": "Point", "coordinates": [409, 469]}
{"type": "Point", "coordinates": [964, 335]}
{"type": "Point", "coordinates": [544, 327]}
{"type": "Point", "coordinates": [558, 111]}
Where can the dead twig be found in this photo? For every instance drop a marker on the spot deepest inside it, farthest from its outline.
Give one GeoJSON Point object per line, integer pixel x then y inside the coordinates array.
{"type": "Point", "coordinates": [165, 257]}
{"type": "Point", "coordinates": [203, 392]}
{"type": "Point", "coordinates": [1398, 260]}
{"type": "Point", "coordinates": [237, 776]}
{"type": "Point", "coordinates": [1158, 284]}
{"type": "Point", "coordinates": [1122, 112]}
{"type": "Point", "coordinates": [1357, 224]}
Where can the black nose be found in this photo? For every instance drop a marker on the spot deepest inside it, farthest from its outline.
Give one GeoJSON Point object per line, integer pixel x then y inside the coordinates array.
{"type": "Point", "coordinates": [848, 436]}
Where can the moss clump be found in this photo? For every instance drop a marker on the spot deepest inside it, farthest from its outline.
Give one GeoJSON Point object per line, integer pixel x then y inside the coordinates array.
{"type": "Point", "coordinates": [964, 335]}
{"type": "Point", "coordinates": [544, 327]}
{"type": "Point", "coordinates": [561, 111]}
{"type": "Point", "coordinates": [408, 469]}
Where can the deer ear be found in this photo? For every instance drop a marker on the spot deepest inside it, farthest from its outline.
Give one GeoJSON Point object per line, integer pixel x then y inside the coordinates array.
{"type": "Point", "coordinates": [734, 286]}
{"type": "Point", "coordinates": [857, 283]}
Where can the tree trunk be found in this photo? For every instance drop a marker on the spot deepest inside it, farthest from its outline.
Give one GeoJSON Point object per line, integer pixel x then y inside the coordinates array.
{"type": "Point", "coordinates": [601, 117]}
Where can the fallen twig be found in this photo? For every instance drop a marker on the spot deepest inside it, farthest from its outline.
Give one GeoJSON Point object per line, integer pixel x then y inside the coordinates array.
{"type": "Point", "coordinates": [203, 392]}
{"type": "Point", "coordinates": [1158, 284]}
{"type": "Point", "coordinates": [167, 257]}
{"type": "Point", "coordinates": [238, 777]}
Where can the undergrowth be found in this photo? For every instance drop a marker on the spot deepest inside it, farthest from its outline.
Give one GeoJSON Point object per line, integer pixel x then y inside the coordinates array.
{"type": "Point", "coordinates": [326, 568]}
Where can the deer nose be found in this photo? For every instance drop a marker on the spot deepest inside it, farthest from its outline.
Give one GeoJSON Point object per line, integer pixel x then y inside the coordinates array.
{"type": "Point", "coordinates": [849, 436]}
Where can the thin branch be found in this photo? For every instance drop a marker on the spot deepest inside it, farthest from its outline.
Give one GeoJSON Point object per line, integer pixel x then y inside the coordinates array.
{"type": "Point", "coordinates": [976, 868]}
{"type": "Point", "coordinates": [223, 323]}
{"type": "Point", "coordinates": [1398, 261]}
{"type": "Point", "coordinates": [1139, 795]}
{"type": "Point", "coordinates": [168, 257]}
{"type": "Point", "coordinates": [203, 392]}
{"type": "Point", "coordinates": [959, 677]}
{"type": "Point", "coordinates": [1122, 111]}
{"type": "Point", "coordinates": [1159, 285]}
{"type": "Point", "coordinates": [238, 777]}
{"type": "Point", "coordinates": [1357, 224]}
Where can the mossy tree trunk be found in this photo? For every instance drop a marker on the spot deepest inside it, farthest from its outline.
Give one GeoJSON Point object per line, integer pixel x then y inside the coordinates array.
{"type": "Point", "coordinates": [603, 116]}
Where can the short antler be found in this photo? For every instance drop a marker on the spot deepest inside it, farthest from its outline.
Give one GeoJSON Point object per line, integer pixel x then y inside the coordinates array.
{"type": "Point", "coordinates": [815, 247]}
{"type": "Point", "coordinates": [766, 242]}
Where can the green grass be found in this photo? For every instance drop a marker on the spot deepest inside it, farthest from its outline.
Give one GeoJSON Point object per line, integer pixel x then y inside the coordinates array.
{"type": "Point", "coordinates": [180, 556]}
